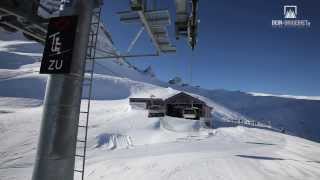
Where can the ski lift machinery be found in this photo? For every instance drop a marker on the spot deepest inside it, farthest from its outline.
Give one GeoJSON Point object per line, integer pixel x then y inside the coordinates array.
{"type": "Point", "coordinates": [155, 21]}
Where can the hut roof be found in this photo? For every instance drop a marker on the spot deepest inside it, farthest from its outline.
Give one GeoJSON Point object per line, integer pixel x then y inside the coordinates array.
{"type": "Point", "coordinates": [156, 101]}
{"type": "Point", "coordinates": [183, 98]}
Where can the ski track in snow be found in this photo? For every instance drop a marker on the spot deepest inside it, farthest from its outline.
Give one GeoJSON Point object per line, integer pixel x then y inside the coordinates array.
{"type": "Point", "coordinates": [124, 144]}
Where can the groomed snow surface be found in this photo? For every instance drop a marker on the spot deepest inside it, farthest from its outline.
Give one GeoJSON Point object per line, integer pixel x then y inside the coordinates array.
{"type": "Point", "coordinates": [124, 144]}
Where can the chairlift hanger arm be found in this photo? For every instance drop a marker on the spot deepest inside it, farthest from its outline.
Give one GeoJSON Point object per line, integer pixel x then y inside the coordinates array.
{"type": "Point", "coordinates": [187, 22]}
{"type": "Point", "coordinates": [194, 24]}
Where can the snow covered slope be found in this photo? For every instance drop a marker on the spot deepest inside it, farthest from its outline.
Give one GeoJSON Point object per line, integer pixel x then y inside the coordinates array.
{"type": "Point", "coordinates": [155, 153]}
{"type": "Point", "coordinates": [300, 117]}
{"type": "Point", "coordinates": [124, 144]}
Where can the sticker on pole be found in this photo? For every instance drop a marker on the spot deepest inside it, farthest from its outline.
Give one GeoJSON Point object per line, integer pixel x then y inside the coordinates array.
{"type": "Point", "coordinates": [57, 55]}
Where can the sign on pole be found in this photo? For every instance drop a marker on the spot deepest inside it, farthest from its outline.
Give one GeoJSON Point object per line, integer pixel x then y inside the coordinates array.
{"type": "Point", "coordinates": [57, 55]}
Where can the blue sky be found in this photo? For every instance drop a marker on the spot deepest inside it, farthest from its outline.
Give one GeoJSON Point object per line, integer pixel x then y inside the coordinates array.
{"type": "Point", "coordinates": [238, 49]}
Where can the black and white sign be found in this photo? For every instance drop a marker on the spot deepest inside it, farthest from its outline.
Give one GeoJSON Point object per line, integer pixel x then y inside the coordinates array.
{"type": "Point", "coordinates": [58, 49]}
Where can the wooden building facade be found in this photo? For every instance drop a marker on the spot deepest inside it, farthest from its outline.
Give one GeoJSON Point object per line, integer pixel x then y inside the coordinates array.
{"type": "Point", "coordinates": [175, 105]}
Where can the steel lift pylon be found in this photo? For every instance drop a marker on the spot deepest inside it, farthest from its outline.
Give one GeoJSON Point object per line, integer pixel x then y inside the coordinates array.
{"type": "Point", "coordinates": [55, 158]}
{"type": "Point", "coordinates": [67, 102]}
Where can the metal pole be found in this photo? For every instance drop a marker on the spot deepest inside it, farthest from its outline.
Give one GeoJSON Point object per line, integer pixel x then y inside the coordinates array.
{"type": "Point", "coordinates": [57, 144]}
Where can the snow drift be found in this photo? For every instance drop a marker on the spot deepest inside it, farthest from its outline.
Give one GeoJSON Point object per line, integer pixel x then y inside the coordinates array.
{"type": "Point", "coordinates": [113, 141]}
{"type": "Point", "coordinates": [180, 124]}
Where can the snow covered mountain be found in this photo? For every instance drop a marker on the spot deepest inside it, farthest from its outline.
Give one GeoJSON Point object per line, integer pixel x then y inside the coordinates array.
{"type": "Point", "coordinates": [124, 144]}
{"type": "Point", "coordinates": [299, 117]}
